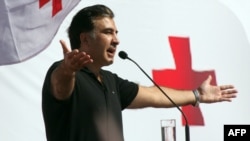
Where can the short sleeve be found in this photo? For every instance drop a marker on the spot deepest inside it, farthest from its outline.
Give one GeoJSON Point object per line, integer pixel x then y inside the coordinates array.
{"type": "Point", "coordinates": [127, 90]}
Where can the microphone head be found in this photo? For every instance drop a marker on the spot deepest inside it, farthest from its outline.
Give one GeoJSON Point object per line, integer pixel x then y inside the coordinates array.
{"type": "Point", "coordinates": [123, 55]}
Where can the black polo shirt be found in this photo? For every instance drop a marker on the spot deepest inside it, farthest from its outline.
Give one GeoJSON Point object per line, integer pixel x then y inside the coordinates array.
{"type": "Point", "coordinates": [92, 113]}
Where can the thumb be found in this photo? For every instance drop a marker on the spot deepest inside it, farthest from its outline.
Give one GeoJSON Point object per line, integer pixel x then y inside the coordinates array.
{"type": "Point", "coordinates": [64, 47]}
{"type": "Point", "coordinates": [205, 83]}
{"type": "Point", "coordinates": [209, 79]}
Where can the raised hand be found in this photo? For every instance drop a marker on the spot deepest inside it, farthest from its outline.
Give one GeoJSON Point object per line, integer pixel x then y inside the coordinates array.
{"type": "Point", "coordinates": [211, 94]}
{"type": "Point", "coordinates": [74, 60]}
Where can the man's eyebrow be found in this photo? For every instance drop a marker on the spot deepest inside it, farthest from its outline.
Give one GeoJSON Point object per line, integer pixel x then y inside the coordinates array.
{"type": "Point", "coordinates": [111, 29]}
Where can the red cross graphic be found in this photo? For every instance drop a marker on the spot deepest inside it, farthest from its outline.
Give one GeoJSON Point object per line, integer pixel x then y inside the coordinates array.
{"type": "Point", "coordinates": [183, 77]}
{"type": "Point", "coordinates": [56, 5]}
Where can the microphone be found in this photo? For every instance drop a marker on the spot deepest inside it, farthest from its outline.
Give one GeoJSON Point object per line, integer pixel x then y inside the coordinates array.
{"type": "Point", "coordinates": [124, 55]}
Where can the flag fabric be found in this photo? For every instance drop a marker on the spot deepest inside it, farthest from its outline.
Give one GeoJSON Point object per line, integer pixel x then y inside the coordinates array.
{"type": "Point", "coordinates": [28, 26]}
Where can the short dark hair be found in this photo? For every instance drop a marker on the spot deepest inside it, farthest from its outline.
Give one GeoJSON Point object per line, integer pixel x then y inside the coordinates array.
{"type": "Point", "coordinates": [83, 22]}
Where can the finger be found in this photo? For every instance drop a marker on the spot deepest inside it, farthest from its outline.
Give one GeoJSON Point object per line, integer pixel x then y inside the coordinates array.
{"type": "Point", "coordinates": [64, 47]}
{"type": "Point", "coordinates": [81, 59]}
{"type": "Point", "coordinates": [87, 59]}
{"type": "Point", "coordinates": [73, 55]}
{"type": "Point", "coordinates": [227, 97]}
{"type": "Point", "coordinates": [208, 80]}
{"type": "Point", "coordinates": [77, 56]}
{"type": "Point", "coordinates": [229, 92]}
{"type": "Point", "coordinates": [225, 87]}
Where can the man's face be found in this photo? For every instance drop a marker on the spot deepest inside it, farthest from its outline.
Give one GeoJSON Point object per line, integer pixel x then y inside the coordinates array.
{"type": "Point", "coordinates": [102, 43]}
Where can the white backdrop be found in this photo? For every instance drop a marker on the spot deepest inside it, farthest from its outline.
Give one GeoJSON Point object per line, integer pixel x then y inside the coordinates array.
{"type": "Point", "coordinates": [219, 32]}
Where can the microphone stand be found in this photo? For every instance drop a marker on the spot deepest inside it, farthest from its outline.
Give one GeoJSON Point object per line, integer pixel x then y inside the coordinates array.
{"type": "Point", "coordinates": [124, 56]}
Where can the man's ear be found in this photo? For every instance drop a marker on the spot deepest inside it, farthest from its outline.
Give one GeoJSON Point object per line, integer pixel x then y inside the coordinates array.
{"type": "Point", "coordinates": [84, 38]}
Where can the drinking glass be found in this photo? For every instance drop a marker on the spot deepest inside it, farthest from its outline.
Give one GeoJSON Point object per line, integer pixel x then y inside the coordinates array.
{"type": "Point", "coordinates": [168, 131]}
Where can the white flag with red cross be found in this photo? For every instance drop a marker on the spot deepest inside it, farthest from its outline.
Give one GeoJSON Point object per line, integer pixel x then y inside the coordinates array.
{"type": "Point", "coordinates": [28, 26]}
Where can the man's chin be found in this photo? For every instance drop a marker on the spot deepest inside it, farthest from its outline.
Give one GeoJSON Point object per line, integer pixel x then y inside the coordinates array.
{"type": "Point", "coordinates": [110, 62]}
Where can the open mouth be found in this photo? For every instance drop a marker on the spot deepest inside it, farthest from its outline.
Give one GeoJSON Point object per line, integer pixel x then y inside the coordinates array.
{"type": "Point", "coordinates": [111, 51]}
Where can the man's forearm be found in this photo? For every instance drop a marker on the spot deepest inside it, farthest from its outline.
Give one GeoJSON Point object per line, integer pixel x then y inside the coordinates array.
{"type": "Point", "coordinates": [62, 82]}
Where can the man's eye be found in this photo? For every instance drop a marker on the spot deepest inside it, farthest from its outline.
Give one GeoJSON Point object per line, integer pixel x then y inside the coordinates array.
{"type": "Point", "coordinates": [109, 32]}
